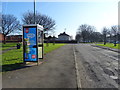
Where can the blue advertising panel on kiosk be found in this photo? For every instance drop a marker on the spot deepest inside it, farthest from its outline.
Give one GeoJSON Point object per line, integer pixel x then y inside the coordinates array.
{"type": "Point", "coordinates": [32, 43]}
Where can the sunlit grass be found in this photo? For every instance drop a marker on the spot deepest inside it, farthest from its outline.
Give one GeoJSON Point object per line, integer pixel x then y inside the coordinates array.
{"type": "Point", "coordinates": [7, 45]}
{"type": "Point", "coordinates": [16, 55]}
{"type": "Point", "coordinates": [51, 47]}
{"type": "Point", "coordinates": [12, 58]}
{"type": "Point", "coordinates": [111, 45]}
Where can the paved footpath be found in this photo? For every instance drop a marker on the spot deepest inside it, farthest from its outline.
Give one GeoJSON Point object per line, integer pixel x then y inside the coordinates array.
{"type": "Point", "coordinates": [4, 51]}
{"type": "Point", "coordinates": [57, 71]}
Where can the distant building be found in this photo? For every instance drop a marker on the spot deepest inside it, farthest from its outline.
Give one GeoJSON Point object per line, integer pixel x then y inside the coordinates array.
{"type": "Point", "coordinates": [1, 37]}
{"type": "Point", "coordinates": [14, 38]}
{"type": "Point", "coordinates": [64, 37]}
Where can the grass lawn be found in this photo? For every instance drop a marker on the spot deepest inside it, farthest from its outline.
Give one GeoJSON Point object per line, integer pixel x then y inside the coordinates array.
{"type": "Point", "coordinates": [7, 45]}
{"type": "Point", "coordinates": [111, 45]}
{"type": "Point", "coordinates": [12, 59]}
{"type": "Point", "coordinates": [51, 47]}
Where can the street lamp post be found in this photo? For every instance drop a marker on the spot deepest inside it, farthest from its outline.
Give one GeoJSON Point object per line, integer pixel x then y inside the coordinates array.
{"type": "Point", "coordinates": [34, 13]}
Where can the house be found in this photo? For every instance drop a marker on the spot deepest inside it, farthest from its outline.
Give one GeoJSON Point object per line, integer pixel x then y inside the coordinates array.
{"type": "Point", "coordinates": [64, 37]}
{"type": "Point", "coordinates": [1, 37]}
{"type": "Point", "coordinates": [14, 38]}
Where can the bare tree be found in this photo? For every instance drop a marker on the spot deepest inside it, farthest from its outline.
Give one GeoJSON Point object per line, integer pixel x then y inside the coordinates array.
{"type": "Point", "coordinates": [105, 32]}
{"type": "Point", "coordinates": [110, 35]}
{"type": "Point", "coordinates": [9, 25]}
{"type": "Point", "coordinates": [96, 37]}
{"type": "Point", "coordinates": [114, 30]}
{"type": "Point", "coordinates": [77, 37]}
{"type": "Point", "coordinates": [85, 32]}
{"type": "Point", "coordinates": [47, 22]}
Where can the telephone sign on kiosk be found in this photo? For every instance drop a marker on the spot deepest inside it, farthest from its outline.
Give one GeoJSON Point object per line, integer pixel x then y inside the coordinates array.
{"type": "Point", "coordinates": [32, 42]}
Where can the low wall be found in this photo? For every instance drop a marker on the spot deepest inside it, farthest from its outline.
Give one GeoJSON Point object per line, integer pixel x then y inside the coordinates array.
{"type": "Point", "coordinates": [72, 41]}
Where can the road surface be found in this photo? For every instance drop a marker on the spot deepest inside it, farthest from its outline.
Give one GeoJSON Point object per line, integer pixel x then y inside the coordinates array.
{"type": "Point", "coordinates": [98, 68]}
{"type": "Point", "coordinates": [57, 71]}
{"type": "Point", "coordinates": [71, 66]}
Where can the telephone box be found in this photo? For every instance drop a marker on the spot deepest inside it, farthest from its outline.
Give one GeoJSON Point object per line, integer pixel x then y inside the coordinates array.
{"type": "Point", "coordinates": [32, 42]}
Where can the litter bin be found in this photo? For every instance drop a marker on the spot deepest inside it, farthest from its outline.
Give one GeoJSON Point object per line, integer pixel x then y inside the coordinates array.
{"type": "Point", "coordinates": [18, 46]}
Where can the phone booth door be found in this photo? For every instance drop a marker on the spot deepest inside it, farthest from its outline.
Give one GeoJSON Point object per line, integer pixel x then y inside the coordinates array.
{"type": "Point", "coordinates": [40, 44]}
{"type": "Point", "coordinates": [30, 44]}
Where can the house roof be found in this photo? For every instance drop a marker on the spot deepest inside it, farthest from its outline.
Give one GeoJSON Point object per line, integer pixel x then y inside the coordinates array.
{"type": "Point", "coordinates": [61, 34]}
{"type": "Point", "coordinates": [14, 35]}
{"type": "Point", "coordinates": [50, 37]}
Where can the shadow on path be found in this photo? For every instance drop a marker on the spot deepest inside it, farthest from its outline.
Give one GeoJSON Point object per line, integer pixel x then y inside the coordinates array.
{"type": "Point", "coordinates": [11, 67]}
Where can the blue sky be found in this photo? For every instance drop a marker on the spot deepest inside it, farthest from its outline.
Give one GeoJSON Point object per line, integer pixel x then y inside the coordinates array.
{"type": "Point", "coordinates": [69, 15]}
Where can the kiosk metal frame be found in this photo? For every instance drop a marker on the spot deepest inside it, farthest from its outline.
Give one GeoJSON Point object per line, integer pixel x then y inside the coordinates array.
{"type": "Point", "coordinates": [33, 41]}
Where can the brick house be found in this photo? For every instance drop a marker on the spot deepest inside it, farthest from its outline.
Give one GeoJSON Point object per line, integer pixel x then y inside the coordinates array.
{"type": "Point", "coordinates": [1, 37]}
{"type": "Point", "coordinates": [14, 38]}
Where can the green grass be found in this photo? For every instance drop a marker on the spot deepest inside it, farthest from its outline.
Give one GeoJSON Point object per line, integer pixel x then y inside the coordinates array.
{"type": "Point", "coordinates": [13, 58]}
{"type": "Point", "coordinates": [51, 47]}
{"type": "Point", "coordinates": [111, 45]}
{"type": "Point", "coordinates": [7, 45]}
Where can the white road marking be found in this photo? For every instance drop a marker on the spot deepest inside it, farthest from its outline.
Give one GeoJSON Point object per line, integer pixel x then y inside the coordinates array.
{"type": "Point", "coordinates": [77, 72]}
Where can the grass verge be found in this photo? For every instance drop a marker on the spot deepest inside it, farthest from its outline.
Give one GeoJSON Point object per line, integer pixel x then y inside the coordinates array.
{"type": "Point", "coordinates": [111, 45]}
{"type": "Point", "coordinates": [51, 47]}
{"type": "Point", "coordinates": [7, 45]}
{"type": "Point", "coordinates": [13, 59]}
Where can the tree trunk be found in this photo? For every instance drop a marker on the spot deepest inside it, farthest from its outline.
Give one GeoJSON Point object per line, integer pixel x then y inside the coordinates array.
{"type": "Point", "coordinates": [4, 41]}
{"type": "Point", "coordinates": [53, 41]}
{"type": "Point", "coordinates": [47, 44]}
{"type": "Point", "coordinates": [104, 43]}
{"type": "Point", "coordinates": [104, 39]}
{"type": "Point", "coordinates": [115, 44]}
{"type": "Point", "coordinates": [110, 38]}
{"type": "Point", "coordinates": [83, 40]}
{"type": "Point", "coordinates": [115, 41]}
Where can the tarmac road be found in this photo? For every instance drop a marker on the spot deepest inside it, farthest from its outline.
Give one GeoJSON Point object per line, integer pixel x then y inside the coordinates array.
{"type": "Point", "coordinates": [71, 66]}
{"type": "Point", "coordinates": [98, 68]}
